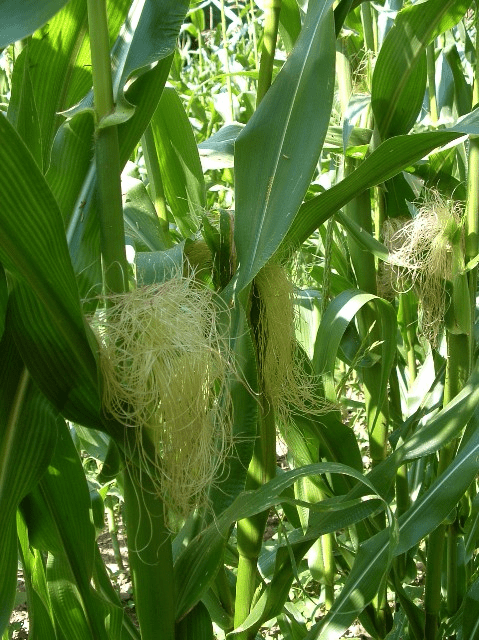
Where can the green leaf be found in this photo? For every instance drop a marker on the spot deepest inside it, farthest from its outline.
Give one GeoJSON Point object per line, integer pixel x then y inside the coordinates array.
{"type": "Point", "coordinates": [440, 430]}
{"type": "Point", "coordinates": [67, 518]}
{"type": "Point", "coordinates": [39, 615]}
{"type": "Point", "coordinates": [20, 19]}
{"type": "Point", "coordinates": [363, 238]}
{"type": "Point", "coordinates": [179, 161]}
{"type": "Point", "coordinates": [159, 266]}
{"type": "Point", "coordinates": [334, 323]}
{"type": "Point", "coordinates": [45, 301]}
{"type": "Point", "coordinates": [197, 565]}
{"type": "Point", "coordinates": [276, 154]}
{"type": "Point", "coordinates": [27, 439]}
{"type": "Point", "coordinates": [386, 161]}
{"type": "Point", "coordinates": [462, 90]}
{"type": "Point", "coordinates": [148, 35]}
{"type": "Point", "coordinates": [231, 481]}
{"type": "Point", "coordinates": [289, 23]}
{"type": "Point", "coordinates": [83, 222]}
{"type": "Point", "coordinates": [3, 299]}
{"type": "Point", "coordinates": [60, 64]}
{"type": "Point", "coordinates": [424, 516]}
{"type": "Point", "coordinates": [399, 78]}
{"type": "Point", "coordinates": [217, 152]}
{"type": "Point", "coordinates": [140, 217]}
{"type": "Point", "coordinates": [196, 625]}
{"type": "Point", "coordinates": [22, 110]}
{"type": "Point", "coordinates": [470, 616]}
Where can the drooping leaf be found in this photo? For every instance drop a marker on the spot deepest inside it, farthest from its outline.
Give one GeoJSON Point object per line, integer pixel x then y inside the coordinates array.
{"type": "Point", "coordinates": [147, 35]}
{"type": "Point", "coordinates": [386, 161]}
{"type": "Point", "coordinates": [83, 228]}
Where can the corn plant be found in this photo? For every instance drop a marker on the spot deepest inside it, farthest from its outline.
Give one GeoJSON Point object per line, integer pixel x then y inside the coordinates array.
{"type": "Point", "coordinates": [147, 316]}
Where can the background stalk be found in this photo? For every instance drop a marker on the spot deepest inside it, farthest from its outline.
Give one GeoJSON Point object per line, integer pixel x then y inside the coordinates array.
{"type": "Point", "coordinates": [431, 81]}
{"type": "Point", "coordinates": [255, 39]}
{"type": "Point", "coordinates": [377, 414]}
{"type": "Point", "coordinates": [457, 370]}
{"type": "Point", "coordinates": [150, 556]}
{"type": "Point", "coordinates": [227, 62]}
{"type": "Point", "coordinates": [268, 49]}
{"type": "Point", "coordinates": [472, 203]}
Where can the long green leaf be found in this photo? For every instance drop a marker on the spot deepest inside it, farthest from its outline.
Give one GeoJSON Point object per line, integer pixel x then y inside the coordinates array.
{"type": "Point", "coordinates": [399, 78]}
{"type": "Point", "coordinates": [179, 162]}
{"type": "Point", "coordinates": [22, 109]}
{"type": "Point", "coordinates": [33, 248]}
{"type": "Point", "coordinates": [441, 429]}
{"type": "Point", "coordinates": [3, 299]}
{"type": "Point", "coordinates": [277, 151]}
{"type": "Point", "coordinates": [27, 439]}
{"type": "Point", "coordinates": [66, 509]}
{"type": "Point", "coordinates": [245, 416]}
{"type": "Point", "coordinates": [60, 64]}
{"type": "Point", "coordinates": [40, 623]}
{"type": "Point", "coordinates": [386, 161]}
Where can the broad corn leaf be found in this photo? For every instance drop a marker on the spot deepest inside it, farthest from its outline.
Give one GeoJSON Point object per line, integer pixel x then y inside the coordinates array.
{"type": "Point", "coordinates": [277, 151]}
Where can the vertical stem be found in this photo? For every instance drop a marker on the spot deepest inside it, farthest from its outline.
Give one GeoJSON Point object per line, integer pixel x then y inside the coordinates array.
{"type": "Point", "coordinates": [107, 154]}
{"type": "Point", "coordinates": [472, 204]}
{"type": "Point", "coordinates": [271, 25]}
{"type": "Point", "coordinates": [359, 209]}
{"type": "Point", "coordinates": [227, 62]}
{"type": "Point", "coordinates": [452, 602]}
{"type": "Point", "coordinates": [151, 560]}
{"type": "Point", "coordinates": [406, 325]}
{"type": "Point", "coordinates": [457, 370]}
{"type": "Point", "coordinates": [343, 74]}
{"type": "Point", "coordinates": [377, 411]}
{"type": "Point", "coordinates": [431, 81]}
{"type": "Point", "coordinates": [255, 39]}
{"type": "Point", "coordinates": [149, 544]}
{"type": "Point", "coordinates": [113, 531]}
{"type": "Point", "coordinates": [251, 530]}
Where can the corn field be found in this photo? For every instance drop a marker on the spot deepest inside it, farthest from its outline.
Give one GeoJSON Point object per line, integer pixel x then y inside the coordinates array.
{"type": "Point", "coordinates": [238, 280]}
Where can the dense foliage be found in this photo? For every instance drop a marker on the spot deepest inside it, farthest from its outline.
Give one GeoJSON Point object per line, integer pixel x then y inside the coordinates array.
{"type": "Point", "coordinates": [238, 255]}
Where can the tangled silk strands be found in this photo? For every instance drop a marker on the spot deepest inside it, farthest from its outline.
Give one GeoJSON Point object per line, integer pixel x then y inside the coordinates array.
{"type": "Point", "coordinates": [421, 257]}
{"type": "Point", "coordinates": [288, 386]}
{"type": "Point", "coordinates": [165, 369]}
